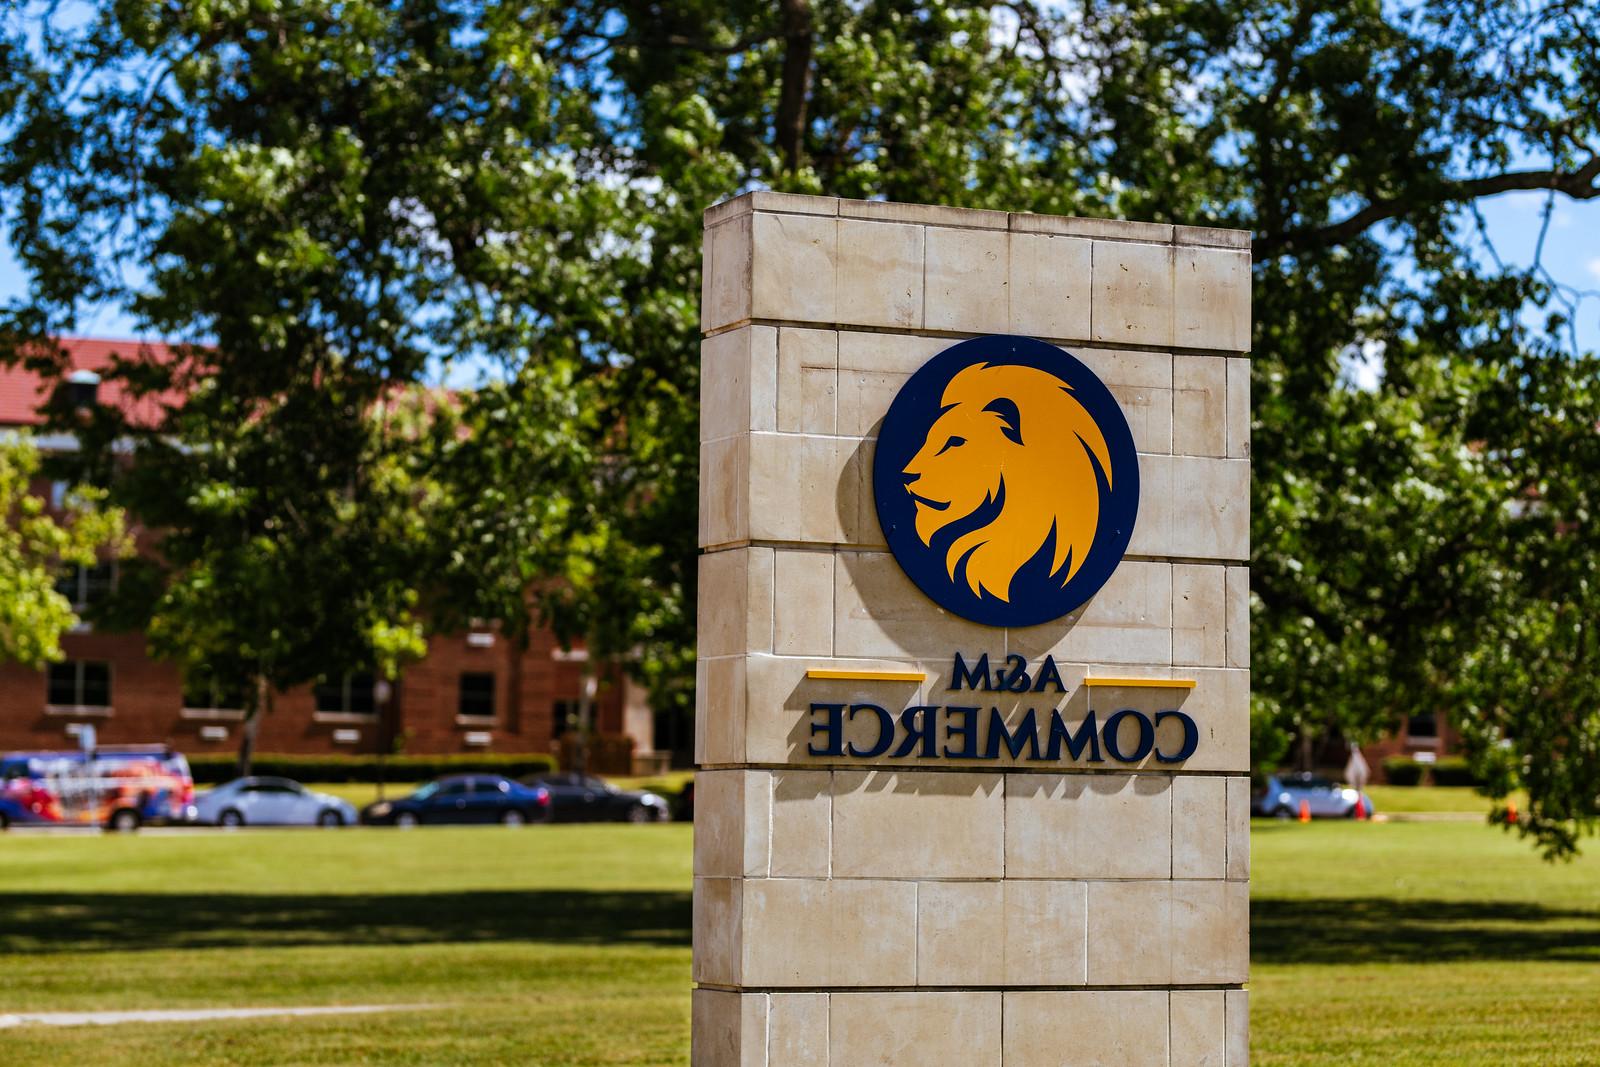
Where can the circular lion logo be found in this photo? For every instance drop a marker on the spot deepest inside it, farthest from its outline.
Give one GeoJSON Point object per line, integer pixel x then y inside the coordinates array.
{"type": "Point", "coordinates": [1006, 481]}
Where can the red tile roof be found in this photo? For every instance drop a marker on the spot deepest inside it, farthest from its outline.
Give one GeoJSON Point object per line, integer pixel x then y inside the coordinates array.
{"type": "Point", "coordinates": [22, 392]}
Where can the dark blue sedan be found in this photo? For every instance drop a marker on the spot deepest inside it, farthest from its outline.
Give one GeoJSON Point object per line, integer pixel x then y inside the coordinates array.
{"type": "Point", "coordinates": [464, 799]}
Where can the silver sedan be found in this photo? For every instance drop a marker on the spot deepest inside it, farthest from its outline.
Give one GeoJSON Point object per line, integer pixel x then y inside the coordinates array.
{"type": "Point", "coordinates": [271, 802]}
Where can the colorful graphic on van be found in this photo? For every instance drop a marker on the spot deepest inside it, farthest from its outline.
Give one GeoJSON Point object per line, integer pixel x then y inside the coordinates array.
{"type": "Point", "coordinates": [124, 787]}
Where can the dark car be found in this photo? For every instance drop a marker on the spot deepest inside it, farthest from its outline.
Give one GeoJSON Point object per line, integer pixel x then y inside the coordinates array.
{"type": "Point", "coordinates": [1282, 794]}
{"type": "Point", "coordinates": [464, 799]}
{"type": "Point", "coordinates": [584, 798]}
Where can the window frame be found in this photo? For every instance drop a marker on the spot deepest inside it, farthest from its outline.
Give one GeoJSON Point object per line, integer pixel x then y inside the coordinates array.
{"type": "Point", "coordinates": [465, 717]}
{"type": "Point", "coordinates": [343, 712]}
{"type": "Point", "coordinates": [77, 705]}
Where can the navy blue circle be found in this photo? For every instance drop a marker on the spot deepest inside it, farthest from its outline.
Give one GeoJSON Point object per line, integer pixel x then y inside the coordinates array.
{"type": "Point", "coordinates": [1034, 597]}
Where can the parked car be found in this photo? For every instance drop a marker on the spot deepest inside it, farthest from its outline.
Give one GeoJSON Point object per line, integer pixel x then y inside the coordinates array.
{"type": "Point", "coordinates": [464, 799]}
{"type": "Point", "coordinates": [585, 798]}
{"type": "Point", "coordinates": [119, 787]}
{"type": "Point", "coordinates": [265, 801]}
{"type": "Point", "coordinates": [1282, 794]}
{"type": "Point", "coordinates": [686, 802]}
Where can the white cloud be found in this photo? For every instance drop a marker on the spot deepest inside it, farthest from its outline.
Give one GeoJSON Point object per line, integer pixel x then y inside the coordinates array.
{"type": "Point", "coordinates": [1594, 267]}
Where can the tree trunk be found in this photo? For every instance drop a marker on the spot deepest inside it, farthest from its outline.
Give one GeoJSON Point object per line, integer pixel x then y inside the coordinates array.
{"type": "Point", "coordinates": [252, 724]}
{"type": "Point", "coordinates": [795, 90]}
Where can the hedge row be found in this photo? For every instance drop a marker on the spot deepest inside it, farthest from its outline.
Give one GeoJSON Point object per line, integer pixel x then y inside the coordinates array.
{"type": "Point", "coordinates": [213, 769]}
{"type": "Point", "coordinates": [1451, 771]}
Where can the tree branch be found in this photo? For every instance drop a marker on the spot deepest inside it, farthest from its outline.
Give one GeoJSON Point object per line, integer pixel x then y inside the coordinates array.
{"type": "Point", "coordinates": [1578, 184]}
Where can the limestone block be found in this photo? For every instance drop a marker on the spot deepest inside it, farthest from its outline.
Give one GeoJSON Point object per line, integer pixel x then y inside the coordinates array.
{"type": "Point", "coordinates": [732, 821]}
{"type": "Point", "coordinates": [724, 496]}
{"type": "Point", "coordinates": [808, 372]}
{"type": "Point", "coordinates": [1238, 790]}
{"type": "Point", "coordinates": [1193, 508]}
{"type": "Point", "coordinates": [793, 268]}
{"type": "Point", "coordinates": [839, 932]}
{"type": "Point", "coordinates": [917, 824]}
{"type": "Point", "coordinates": [802, 823]}
{"type": "Point", "coordinates": [802, 603]}
{"type": "Point", "coordinates": [809, 489]}
{"type": "Point", "coordinates": [1142, 384]}
{"type": "Point", "coordinates": [1086, 1028]}
{"type": "Point", "coordinates": [719, 710]}
{"type": "Point", "coordinates": [900, 1029]}
{"type": "Point", "coordinates": [797, 1030]}
{"type": "Point", "coordinates": [1211, 235]}
{"type": "Point", "coordinates": [735, 601]}
{"type": "Point", "coordinates": [1238, 616]}
{"type": "Point", "coordinates": [966, 280]}
{"type": "Point", "coordinates": [872, 368]}
{"type": "Point", "coordinates": [730, 1029]}
{"type": "Point", "coordinates": [960, 926]}
{"type": "Point", "coordinates": [777, 697]}
{"type": "Point", "coordinates": [725, 278]}
{"type": "Point", "coordinates": [1131, 933]}
{"type": "Point", "coordinates": [1199, 826]}
{"type": "Point", "coordinates": [716, 917]}
{"type": "Point", "coordinates": [1237, 1015]}
{"type": "Point", "coordinates": [1088, 826]}
{"type": "Point", "coordinates": [1198, 1028]}
{"type": "Point", "coordinates": [1199, 617]}
{"type": "Point", "coordinates": [878, 612]}
{"type": "Point", "coordinates": [1045, 923]}
{"type": "Point", "coordinates": [1050, 285]}
{"type": "Point", "coordinates": [880, 274]}
{"type": "Point", "coordinates": [1211, 299]}
{"type": "Point", "coordinates": [1133, 293]}
{"type": "Point", "coordinates": [1200, 405]}
{"type": "Point", "coordinates": [924, 214]}
{"type": "Point", "coordinates": [1128, 621]}
{"type": "Point", "coordinates": [738, 382]}
{"type": "Point", "coordinates": [1238, 408]}
{"type": "Point", "coordinates": [1114, 229]}
{"type": "Point", "coordinates": [1210, 941]}
{"type": "Point", "coordinates": [764, 200]}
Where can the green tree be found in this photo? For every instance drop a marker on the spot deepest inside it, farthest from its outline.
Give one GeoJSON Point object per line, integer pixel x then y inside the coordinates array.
{"type": "Point", "coordinates": [352, 194]}
{"type": "Point", "coordinates": [35, 545]}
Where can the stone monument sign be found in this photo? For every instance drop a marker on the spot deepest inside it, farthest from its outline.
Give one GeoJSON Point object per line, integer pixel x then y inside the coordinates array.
{"type": "Point", "coordinates": [973, 689]}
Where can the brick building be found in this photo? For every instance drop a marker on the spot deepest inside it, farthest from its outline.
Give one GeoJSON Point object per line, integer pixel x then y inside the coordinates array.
{"type": "Point", "coordinates": [472, 692]}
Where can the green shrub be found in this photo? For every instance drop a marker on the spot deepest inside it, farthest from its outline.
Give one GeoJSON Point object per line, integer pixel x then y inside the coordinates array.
{"type": "Point", "coordinates": [1454, 771]}
{"type": "Point", "coordinates": [211, 769]}
{"type": "Point", "coordinates": [1402, 771]}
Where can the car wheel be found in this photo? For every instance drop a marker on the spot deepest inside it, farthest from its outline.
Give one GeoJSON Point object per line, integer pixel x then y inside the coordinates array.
{"type": "Point", "coordinates": [5, 823]}
{"type": "Point", "coordinates": [639, 813]}
{"type": "Point", "coordinates": [406, 820]}
{"type": "Point", "coordinates": [330, 818]}
{"type": "Point", "coordinates": [124, 821]}
{"type": "Point", "coordinates": [513, 817]}
{"type": "Point", "coordinates": [1282, 814]}
{"type": "Point", "coordinates": [230, 818]}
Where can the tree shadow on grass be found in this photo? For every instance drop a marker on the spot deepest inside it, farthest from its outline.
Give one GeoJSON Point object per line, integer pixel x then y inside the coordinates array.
{"type": "Point", "coordinates": [102, 922]}
{"type": "Point", "coordinates": [1384, 930]}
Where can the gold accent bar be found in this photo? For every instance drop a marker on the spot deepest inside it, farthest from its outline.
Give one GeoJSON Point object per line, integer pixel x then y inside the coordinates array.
{"type": "Point", "coordinates": [866, 676]}
{"type": "Point", "coordinates": [1148, 683]}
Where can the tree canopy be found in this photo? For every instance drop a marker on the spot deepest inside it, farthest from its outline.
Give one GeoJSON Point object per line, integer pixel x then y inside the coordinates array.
{"type": "Point", "coordinates": [343, 198]}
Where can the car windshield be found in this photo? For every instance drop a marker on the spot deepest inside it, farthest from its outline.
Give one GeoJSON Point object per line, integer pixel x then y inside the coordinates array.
{"type": "Point", "coordinates": [426, 791]}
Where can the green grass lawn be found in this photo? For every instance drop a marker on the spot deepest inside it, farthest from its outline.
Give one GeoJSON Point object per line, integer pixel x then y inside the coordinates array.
{"type": "Point", "coordinates": [1396, 944]}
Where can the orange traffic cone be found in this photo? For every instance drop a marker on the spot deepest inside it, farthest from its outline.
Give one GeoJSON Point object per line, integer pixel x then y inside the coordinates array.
{"type": "Point", "coordinates": [1305, 811]}
{"type": "Point", "coordinates": [1361, 809]}
{"type": "Point", "coordinates": [1511, 813]}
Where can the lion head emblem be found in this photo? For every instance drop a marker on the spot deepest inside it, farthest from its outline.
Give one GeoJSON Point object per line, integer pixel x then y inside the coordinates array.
{"type": "Point", "coordinates": [1017, 436]}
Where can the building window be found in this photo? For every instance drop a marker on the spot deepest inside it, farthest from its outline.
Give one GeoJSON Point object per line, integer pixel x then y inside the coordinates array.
{"type": "Point", "coordinates": [84, 586]}
{"type": "Point", "coordinates": [1421, 726]}
{"type": "Point", "coordinates": [77, 683]}
{"type": "Point", "coordinates": [477, 695]}
{"type": "Point", "coordinates": [210, 695]}
{"type": "Point", "coordinates": [350, 695]}
{"type": "Point", "coordinates": [564, 717]}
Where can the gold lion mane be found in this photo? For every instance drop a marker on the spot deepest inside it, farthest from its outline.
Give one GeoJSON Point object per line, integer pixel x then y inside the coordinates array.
{"type": "Point", "coordinates": [1042, 468]}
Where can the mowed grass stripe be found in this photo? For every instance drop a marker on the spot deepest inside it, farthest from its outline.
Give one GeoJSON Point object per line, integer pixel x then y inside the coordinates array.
{"type": "Point", "coordinates": [1373, 944]}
